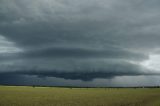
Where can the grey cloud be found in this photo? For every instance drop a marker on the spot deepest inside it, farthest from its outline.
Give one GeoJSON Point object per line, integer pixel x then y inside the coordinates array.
{"type": "Point", "coordinates": [76, 53]}
{"type": "Point", "coordinates": [79, 39]}
{"type": "Point", "coordinates": [106, 22]}
{"type": "Point", "coordinates": [86, 70]}
{"type": "Point", "coordinates": [61, 52]}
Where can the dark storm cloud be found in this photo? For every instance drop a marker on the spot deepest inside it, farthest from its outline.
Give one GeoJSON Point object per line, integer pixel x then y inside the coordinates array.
{"type": "Point", "coordinates": [77, 53]}
{"type": "Point", "coordinates": [78, 39]}
{"type": "Point", "coordinates": [79, 23]}
{"type": "Point", "coordinates": [61, 52]}
{"type": "Point", "coordinates": [8, 78]}
{"type": "Point", "coordinates": [85, 76]}
{"type": "Point", "coordinates": [83, 70]}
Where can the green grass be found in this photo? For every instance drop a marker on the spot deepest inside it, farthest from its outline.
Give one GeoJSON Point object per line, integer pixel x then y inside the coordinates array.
{"type": "Point", "coordinates": [52, 96]}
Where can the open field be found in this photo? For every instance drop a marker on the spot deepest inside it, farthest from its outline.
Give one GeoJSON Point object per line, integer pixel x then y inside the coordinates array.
{"type": "Point", "coordinates": [52, 96]}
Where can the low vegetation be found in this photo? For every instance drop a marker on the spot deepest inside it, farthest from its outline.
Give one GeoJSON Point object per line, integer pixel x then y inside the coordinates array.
{"type": "Point", "coordinates": [54, 96]}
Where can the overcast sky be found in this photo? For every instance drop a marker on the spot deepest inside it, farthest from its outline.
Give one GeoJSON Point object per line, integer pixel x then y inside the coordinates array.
{"type": "Point", "coordinates": [80, 42]}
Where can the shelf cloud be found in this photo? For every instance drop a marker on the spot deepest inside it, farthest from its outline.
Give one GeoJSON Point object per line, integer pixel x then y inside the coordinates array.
{"type": "Point", "coordinates": [79, 40]}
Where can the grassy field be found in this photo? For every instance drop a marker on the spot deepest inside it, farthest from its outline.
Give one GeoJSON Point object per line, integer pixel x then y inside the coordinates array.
{"type": "Point", "coordinates": [52, 96]}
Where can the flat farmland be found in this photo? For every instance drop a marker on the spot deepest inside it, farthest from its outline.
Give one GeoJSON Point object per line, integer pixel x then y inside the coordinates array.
{"type": "Point", "coordinates": [55, 96]}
